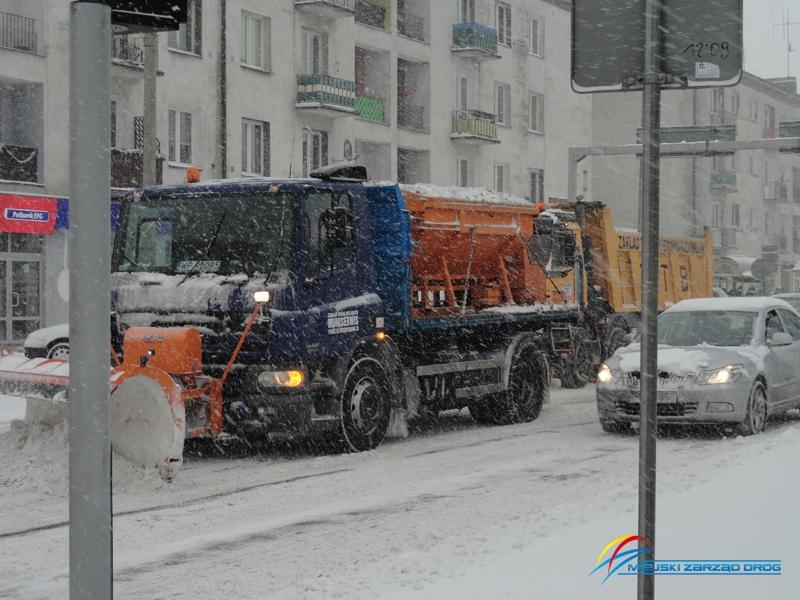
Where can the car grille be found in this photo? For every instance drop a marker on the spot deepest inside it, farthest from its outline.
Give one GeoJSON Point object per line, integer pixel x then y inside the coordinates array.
{"type": "Point", "coordinates": [632, 378]}
{"type": "Point", "coordinates": [663, 409]}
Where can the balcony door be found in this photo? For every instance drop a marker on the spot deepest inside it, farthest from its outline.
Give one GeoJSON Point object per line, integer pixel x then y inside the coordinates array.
{"type": "Point", "coordinates": [466, 11]}
{"type": "Point", "coordinates": [20, 286]}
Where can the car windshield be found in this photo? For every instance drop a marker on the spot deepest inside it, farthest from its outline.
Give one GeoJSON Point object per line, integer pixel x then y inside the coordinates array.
{"type": "Point", "coordinates": [713, 327]}
{"type": "Point", "coordinates": [224, 234]}
{"type": "Point", "coordinates": [794, 301]}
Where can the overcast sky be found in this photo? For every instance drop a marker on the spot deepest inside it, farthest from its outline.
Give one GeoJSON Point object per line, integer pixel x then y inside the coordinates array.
{"type": "Point", "coordinates": [765, 46]}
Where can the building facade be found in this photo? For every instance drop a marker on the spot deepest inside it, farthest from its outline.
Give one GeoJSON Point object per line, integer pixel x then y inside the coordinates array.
{"type": "Point", "coordinates": [453, 92]}
{"type": "Point", "coordinates": [750, 200]}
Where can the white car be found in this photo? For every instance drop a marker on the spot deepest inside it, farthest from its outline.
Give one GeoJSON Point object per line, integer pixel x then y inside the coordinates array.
{"type": "Point", "coordinates": [48, 342]}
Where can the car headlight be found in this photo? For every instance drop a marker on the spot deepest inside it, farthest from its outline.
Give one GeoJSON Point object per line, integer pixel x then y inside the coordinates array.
{"type": "Point", "coordinates": [727, 374]}
{"type": "Point", "coordinates": [605, 374]}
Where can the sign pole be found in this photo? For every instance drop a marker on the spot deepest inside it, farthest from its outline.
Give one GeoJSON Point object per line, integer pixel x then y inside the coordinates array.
{"type": "Point", "coordinates": [90, 539]}
{"type": "Point", "coordinates": [650, 173]}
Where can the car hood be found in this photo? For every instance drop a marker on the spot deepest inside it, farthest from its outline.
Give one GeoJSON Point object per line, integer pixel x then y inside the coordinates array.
{"type": "Point", "coordinates": [41, 338]}
{"type": "Point", "coordinates": [690, 360]}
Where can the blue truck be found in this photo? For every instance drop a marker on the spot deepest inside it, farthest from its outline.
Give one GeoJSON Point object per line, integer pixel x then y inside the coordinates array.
{"type": "Point", "coordinates": [345, 347]}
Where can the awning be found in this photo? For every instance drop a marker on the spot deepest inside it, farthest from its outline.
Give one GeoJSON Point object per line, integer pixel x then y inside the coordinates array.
{"type": "Point", "coordinates": [28, 214]}
{"type": "Point", "coordinates": [745, 268]}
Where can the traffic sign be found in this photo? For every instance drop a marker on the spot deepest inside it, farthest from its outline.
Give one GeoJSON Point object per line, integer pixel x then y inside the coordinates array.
{"type": "Point", "coordinates": [138, 16]}
{"type": "Point", "coordinates": [701, 44]}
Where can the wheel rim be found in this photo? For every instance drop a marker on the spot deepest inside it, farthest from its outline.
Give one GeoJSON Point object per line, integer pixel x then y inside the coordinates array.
{"type": "Point", "coordinates": [364, 405]}
{"type": "Point", "coordinates": [526, 392]}
{"type": "Point", "coordinates": [583, 363]}
{"type": "Point", "coordinates": [758, 411]}
{"type": "Point", "coordinates": [60, 352]}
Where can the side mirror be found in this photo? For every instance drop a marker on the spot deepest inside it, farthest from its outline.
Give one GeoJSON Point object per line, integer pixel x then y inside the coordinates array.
{"type": "Point", "coordinates": [781, 339]}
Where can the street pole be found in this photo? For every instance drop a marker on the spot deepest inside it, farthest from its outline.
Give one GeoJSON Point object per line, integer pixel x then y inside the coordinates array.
{"type": "Point", "coordinates": [90, 541]}
{"type": "Point", "coordinates": [650, 176]}
{"type": "Point", "coordinates": [150, 161]}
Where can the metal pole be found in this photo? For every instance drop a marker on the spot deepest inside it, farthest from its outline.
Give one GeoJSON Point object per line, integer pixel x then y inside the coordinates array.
{"type": "Point", "coordinates": [90, 542]}
{"type": "Point", "coordinates": [149, 175]}
{"type": "Point", "coordinates": [650, 175]}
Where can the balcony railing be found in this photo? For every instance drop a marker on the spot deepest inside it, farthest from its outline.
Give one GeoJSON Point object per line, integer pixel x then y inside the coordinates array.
{"type": "Point", "coordinates": [723, 117]}
{"type": "Point", "coordinates": [411, 116]}
{"type": "Point", "coordinates": [324, 91]}
{"type": "Point", "coordinates": [127, 167]}
{"type": "Point", "coordinates": [19, 163]}
{"type": "Point", "coordinates": [128, 49]}
{"type": "Point", "coordinates": [776, 191]}
{"type": "Point", "coordinates": [371, 109]}
{"type": "Point", "coordinates": [723, 180]}
{"type": "Point", "coordinates": [475, 38]}
{"type": "Point", "coordinates": [327, 6]}
{"type": "Point", "coordinates": [17, 32]}
{"type": "Point", "coordinates": [411, 26]}
{"type": "Point", "coordinates": [474, 124]}
{"type": "Point", "coordinates": [370, 14]}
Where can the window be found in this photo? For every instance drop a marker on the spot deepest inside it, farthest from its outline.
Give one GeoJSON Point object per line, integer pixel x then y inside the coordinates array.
{"type": "Point", "coordinates": [329, 233]}
{"type": "Point", "coordinates": [466, 11]}
{"type": "Point", "coordinates": [769, 118]}
{"type": "Point", "coordinates": [536, 185]}
{"type": "Point", "coordinates": [502, 103]}
{"type": "Point", "coordinates": [462, 172]}
{"type": "Point", "coordinates": [753, 110]}
{"type": "Point", "coordinates": [500, 177]}
{"type": "Point", "coordinates": [462, 88]}
{"type": "Point", "coordinates": [537, 37]}
{"type": "Point", "coordinates": [188, 36]}
{"type": "Point", "coordinates": [503, 23]}
{"type": "Point", "coordinates": [113, 123]}
{"type": "Point", "coordinates": [255, 37]}
{"type": "Point", "coordinates": [180, 137]}
{"type": "Point", "coordinates": [536, 112]}
{"type": "Point", "coordinates": [315, 150]}
{"type": "Point", "coordinates": [735, 222]}
{"type": "Point", "coordinates": [255, 147]}
{"type": "Point", "coordinates": [735, 103]}
{"type": "Point", "coordinates": [792, 323]}
{"type": "Point", "coordinates": [315, 53]}
{"type": "Point", "coordinates": [773, 324]}
{"type": "Point", "coordinates": [716, 215]}
{"type": "Point", "coordinates": [717, 164]}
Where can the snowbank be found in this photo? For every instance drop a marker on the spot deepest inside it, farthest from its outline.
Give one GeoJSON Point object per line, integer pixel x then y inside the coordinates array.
{"type": "Point", "coordinates": [465, 194]}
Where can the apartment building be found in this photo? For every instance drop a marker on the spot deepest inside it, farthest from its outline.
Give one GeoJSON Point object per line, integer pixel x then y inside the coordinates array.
{"type": "Point", "coordinates": [453, 92]}
{"type": "Point", "coordinates": [750, 200]}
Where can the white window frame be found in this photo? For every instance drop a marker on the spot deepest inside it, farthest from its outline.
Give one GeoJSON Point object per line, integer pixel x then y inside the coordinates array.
{"type": "Point", "coordinates": [185, 38]}
{"type": "Point", "coordinates": [536, 185]}
{"type": "Point", "coordinates": [249, 129]}
{"type": "Point", "coordinates": [462, 93]}
{"type": "Point", "coordinates": [717, 215]}
{"type": "Point", "coordinates": [176, 130]}
{"type": "Point", "coordinates": [462, 172]}
{"type": "Point", "coordinates": [537, 24]}
{"type": "Point", "coordinates": [323, 140]}
{"type": "Point", "coordinates": [263, 59]}
{"type": "Point", "coordinates": [535, 112]}
{"type": "Point", "coordinates": [503, 23]}
{"type": "Point", "coordinates": [502, 103]}
{"type": "Point", "coordinates": [754, 110]}
{"type": "Point", "coordinates": [500, 177]}
{"type": "Point", "coordinates": [310, 57]}
{"type": "Point", "coordinates": [736, 217]}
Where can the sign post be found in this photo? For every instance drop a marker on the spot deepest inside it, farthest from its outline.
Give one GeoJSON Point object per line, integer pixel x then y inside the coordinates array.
{"type": "Point", "coordinates": [90, 527]}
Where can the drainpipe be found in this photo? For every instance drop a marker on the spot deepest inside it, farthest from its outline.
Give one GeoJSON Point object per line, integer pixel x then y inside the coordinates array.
{"type": "Point", "coordinates": [694, 169]}
{"type": "Point", "coordinates": [223, 88]}
{"type": "Point", "coordinates": [149, 158]}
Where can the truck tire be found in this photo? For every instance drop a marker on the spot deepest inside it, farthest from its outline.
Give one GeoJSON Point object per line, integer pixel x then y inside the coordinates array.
{"type": "Point", "coordinates": [366, 405]}
{"type": "Point", "coordinates": [614, 426]}
{"type": "Point", "coordinates": [580, 368]}
{"type": "Point", "coordinates": [615, 340]}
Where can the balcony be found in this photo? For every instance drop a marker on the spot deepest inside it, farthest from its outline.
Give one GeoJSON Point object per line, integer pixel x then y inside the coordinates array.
{"type": "Point", "coordinates": [411, 116]}
{"type": "Point", "coordinates": [776, 191]}
{"type": "Point", "coordinates": [128, 50]}
{"type": "Point", "coordinates": [474, 41]}
{"type": "Point", "coordinates": [325, 94]}
{"type": "Point", "coordinates": [18, 32]}
{"type": "Point", "coordinates": [371, 109]}
{"type": "Point", "coordinates": [371, 14]}
{"type": "Point", "coordinates": [725, 238]}
{"type": "Point", "coordinates": [327, 8]}
{"type": "Point", "coordinates": [411, 26]}
{"type": "Point", "coordinates": [127, 167]}
{"type": "Point", "coordinates": [775, 242]}
{"type": "Point", "coordinates": [724, 180]}
{"type": "Point", "coordinates": [474, 127]}
{"type": "Point", "coordinates": [19, 163]}
{"type": "Point", "coordinates": [724, 117]}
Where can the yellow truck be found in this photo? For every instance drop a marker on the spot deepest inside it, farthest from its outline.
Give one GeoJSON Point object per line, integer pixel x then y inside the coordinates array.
{"type": "Point", "coordinates": [592, 263]}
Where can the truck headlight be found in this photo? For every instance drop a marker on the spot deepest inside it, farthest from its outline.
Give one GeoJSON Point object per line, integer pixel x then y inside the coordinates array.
{"type": "Point", "coordinates": [727, 374]}
{"type": "Point", "coordinates": [285, 379]}
{"type": "Point", "coordinates": [605, 374]}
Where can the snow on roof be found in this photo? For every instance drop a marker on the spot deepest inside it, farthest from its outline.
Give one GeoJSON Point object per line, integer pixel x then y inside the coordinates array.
{"type": "Point", "coordinates": [463, 194]}
{"type": "Point", "coordinates": [754, 303]}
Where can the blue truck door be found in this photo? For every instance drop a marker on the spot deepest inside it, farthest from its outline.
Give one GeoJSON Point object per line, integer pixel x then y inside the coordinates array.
{"type": "Point", "coordinates": [333, 286]}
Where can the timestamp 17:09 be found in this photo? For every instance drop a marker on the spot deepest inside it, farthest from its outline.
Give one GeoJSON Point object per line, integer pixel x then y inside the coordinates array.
{"type": "Point", "coordinates": [704, 49]}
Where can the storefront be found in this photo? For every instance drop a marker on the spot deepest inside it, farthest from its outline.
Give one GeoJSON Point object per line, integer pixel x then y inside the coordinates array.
{"type": "Point", "coordinates": [743, 275]}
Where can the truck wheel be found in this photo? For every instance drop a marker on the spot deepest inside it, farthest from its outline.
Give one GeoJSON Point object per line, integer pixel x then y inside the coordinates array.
{"type": "Point", "coordinates": [580, 368]}
{"type": "Point", "coordinates": [615, 426]}
{"type": "Point", "coordinates": [615, 340]}
{"type": "Point", "coordinates": [366, 405]}
{"type": "Point", "coordinates": [491, 410]}
{"type": "Point", "coordinates": [527, 385]}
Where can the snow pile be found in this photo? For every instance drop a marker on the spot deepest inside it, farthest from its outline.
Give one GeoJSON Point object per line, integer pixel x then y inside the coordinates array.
{"type": "Point", "coordinates": [465, 194]}
{"type": "Point", "coordinates": [528, 309]}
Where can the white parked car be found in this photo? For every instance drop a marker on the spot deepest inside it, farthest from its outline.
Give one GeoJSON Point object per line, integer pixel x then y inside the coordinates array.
{"type": "Point", "coordinates": [729, 361]}
{"type": "Point", "coordinates": [48, 342]}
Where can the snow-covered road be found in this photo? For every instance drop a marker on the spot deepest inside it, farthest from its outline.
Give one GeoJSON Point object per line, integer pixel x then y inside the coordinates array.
{"type": "Point", "coordinates": [433, 516]}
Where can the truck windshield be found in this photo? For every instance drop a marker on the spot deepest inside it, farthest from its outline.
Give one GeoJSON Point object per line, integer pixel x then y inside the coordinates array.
{"type": "Point", "coordinates": [712, 327]}
{"type": "Point", "coordinates": [223, 234]}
